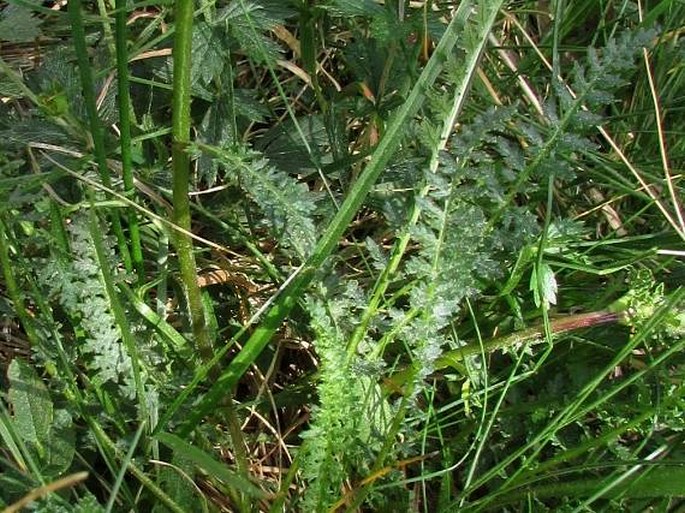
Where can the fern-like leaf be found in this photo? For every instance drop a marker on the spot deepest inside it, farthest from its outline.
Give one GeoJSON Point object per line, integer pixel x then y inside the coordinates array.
{"type": "Point", "coordinates": [286, 205]}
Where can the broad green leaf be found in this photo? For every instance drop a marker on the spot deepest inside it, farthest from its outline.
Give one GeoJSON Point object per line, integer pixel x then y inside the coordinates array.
{"type": "Point", "coordinates": [33, 410]}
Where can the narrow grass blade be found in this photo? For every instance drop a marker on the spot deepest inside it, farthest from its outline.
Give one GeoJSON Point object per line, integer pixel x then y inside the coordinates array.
{"type": "Point", "coordinates": [88, 90]}
{"type": "Point", "coordinates": [173, 338]}
{"type": "Point", "coordinates": [124, 464]}
{"type": "Point", "coordinates": [209, 465]}
{"type": "Point", "coordinates": [7, 435]}
{"type": "Point", "coordinates": [13, 290]}
{"type": "Point", "coordinates": [124, 99]}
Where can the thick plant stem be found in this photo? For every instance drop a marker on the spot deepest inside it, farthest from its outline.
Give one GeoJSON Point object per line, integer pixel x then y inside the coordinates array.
{"type": "Point", "coordinates": [125, 135]}
{"type": "Point", "coordinates": [530, 335]}
{"type": "Point", "coordinates": [181, 169]}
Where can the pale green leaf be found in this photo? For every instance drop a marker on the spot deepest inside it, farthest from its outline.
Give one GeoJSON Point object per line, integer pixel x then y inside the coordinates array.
{"type": "Point", "coordinates": [543, 284]}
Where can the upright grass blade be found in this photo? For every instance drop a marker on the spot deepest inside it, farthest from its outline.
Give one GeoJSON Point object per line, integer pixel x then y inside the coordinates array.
{"type": "Point", "coordinates": [124, 464]}
{"type": "Point", "coordinates": [88, 88]}
{"type": "Point", "coordinates": [290, 294]}
{"type": "Point", "coordinates": [180, 134]}
{"type": "Point", "coordinates": [108, 444]}
{"type": "Point", "coordinates": [124, 99]}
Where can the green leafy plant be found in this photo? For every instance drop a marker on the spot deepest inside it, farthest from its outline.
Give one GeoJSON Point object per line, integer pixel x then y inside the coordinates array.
{"type": "Point", "coordinates": [341, 256]}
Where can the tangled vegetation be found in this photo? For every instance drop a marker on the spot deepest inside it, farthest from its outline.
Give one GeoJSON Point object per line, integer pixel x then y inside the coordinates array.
{"type": "Point", "coordinates": [341, 255]}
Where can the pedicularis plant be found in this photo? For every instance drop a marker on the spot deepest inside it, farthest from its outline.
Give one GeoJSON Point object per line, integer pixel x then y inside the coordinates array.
{"type": "Point", "coordinates": [341, 255]}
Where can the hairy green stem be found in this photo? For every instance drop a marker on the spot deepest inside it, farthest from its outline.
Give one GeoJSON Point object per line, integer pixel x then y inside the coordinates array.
{"type": "Point", "coordinates": [181, 168]}
{"type": "Point", "coordinates": [180, 133]}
